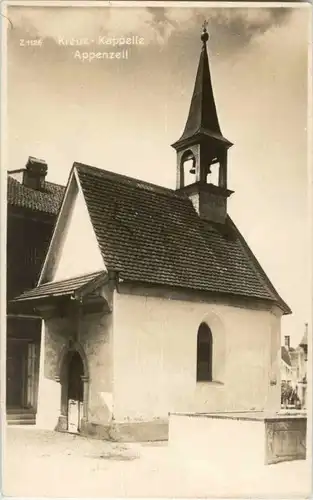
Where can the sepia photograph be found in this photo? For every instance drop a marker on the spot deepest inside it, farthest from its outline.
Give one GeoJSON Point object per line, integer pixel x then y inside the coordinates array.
{"type": "Point", "coordinates": [156, 242]}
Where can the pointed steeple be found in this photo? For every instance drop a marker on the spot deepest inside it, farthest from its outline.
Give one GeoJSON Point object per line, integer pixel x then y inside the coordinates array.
{"type": "Point", "coordinates": [304, 340]}
{"type": "Point", "coordinates": [203, 144]}
{"type": "Point", "coordinates": [202, 118]}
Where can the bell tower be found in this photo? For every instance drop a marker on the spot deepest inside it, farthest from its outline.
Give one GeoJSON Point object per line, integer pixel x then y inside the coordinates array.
{"type": "Point", "coordinates": [202, 149]}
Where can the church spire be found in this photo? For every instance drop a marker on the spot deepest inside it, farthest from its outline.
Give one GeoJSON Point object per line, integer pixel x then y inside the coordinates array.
{"type": "Point", "coordinates": [203, 144]}
{"type": "Point", "coordinates": [202, 118]}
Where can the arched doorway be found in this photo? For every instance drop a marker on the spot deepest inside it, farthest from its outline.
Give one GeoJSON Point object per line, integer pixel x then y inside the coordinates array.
{"type": "Point", "coordinates": [75, 390]}
{"type": "Point", "coordinates": [74, 379]}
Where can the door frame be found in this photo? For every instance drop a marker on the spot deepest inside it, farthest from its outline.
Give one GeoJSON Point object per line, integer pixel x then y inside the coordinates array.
{"type": "Point", "coordinates": [62, 378]}
{"type": "Point", "coordinates": [28, 358]}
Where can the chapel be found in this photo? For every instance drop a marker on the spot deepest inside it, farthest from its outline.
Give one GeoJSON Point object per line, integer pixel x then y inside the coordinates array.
{"type": "Point", "coordinates": [151, 300]}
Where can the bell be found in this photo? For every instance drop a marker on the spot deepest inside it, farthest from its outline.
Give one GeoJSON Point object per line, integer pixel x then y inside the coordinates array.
{"type": "Point", "coordinates": [192, 170]}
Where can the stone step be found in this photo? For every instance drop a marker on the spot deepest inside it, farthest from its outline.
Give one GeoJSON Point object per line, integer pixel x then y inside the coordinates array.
{"type": "Point", "coordinates": [21, 422]}
{"type": "Point", "coordinates": [21, 418]}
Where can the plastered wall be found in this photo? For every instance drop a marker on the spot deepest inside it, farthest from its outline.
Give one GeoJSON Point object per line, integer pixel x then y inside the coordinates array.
{"type": "Point", "coordinates": [94, 339]}
{"type": "Point", "coordinates": [154, 348]}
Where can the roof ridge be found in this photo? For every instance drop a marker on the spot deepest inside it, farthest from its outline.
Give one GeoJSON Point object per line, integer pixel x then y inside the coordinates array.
{"type": "Point", "coordinates": [55, 184]}
{"type": "Point", "coordinates": [27, 187]}
{"type": "Point", "coordinates": [123, 179]}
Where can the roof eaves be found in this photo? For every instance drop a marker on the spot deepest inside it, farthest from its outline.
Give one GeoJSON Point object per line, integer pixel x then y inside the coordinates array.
{"type": "Point", "coordinates": [90, 286]}
{"type": "Point", "coordinates": [36, 298]}
{"type": "Point", "coordinates": [217, 294]}
{"type": "Point", "coordinates": [73, 288]}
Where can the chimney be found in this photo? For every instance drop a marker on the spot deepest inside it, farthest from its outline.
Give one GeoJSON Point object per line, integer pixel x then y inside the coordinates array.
{"type": "Point", "coordinates": [35, 173]}
{"type": "Point", "coordinates": [287, 342]}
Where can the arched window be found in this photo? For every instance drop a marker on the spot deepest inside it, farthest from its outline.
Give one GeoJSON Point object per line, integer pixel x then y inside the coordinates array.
{"type": "Point", "coordinates": [204, 354]}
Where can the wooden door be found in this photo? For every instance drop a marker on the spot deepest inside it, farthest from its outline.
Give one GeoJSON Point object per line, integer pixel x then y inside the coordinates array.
{"type": "Point", "coordinates": [32, 374]}
{"type": "Point", "coordinates": [16, 374]}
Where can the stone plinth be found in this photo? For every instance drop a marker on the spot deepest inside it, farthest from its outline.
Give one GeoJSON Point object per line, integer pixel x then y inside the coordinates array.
{"type": "Point", "coordinates": [251, 438]}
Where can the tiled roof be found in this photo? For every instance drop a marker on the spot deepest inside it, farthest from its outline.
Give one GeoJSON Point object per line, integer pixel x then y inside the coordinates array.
{"type": "Point", "coordinates": [48, 201]}
{"type": "Point", "coordinates": [60, 288]}
{"type": "Point", "coordinates": [294, 357]}
{"type": "Point", "coordinates": [285, 356]}
{"type": "Point", "coordinates": [154, 235]}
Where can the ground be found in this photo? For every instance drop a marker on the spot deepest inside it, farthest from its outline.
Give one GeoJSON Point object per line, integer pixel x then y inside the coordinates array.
{"type": "Point", "coordinates": [45, 463]}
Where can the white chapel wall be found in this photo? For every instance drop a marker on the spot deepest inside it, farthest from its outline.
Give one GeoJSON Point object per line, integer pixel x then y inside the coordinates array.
{"type": "Point", "coordinates": [54, 338]}
{"type": "Point", "coordinates": [154, 346]}
{"type": "Point", "coordinates": [79, 252]}
{"type": "Point", "coordinates": [96, 340]}
{"type": "Point", "coordinates": [94, 334]}
{"type": "Point", "coordinates": [274, 394]}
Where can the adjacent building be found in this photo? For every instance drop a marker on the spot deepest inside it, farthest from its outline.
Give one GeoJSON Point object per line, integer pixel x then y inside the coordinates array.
{"type": "Point", "coordinates": [32, 206]}
{"type": "Point", "coordinates": [151, 299]}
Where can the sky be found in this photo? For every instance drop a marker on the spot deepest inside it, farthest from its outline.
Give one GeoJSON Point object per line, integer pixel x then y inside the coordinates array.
{"type": "Point", "coordinates": [123, 114]}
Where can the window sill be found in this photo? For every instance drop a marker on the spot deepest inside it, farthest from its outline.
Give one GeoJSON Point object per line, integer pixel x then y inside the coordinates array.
{"type": "Point", "coordinates": [214, 383]}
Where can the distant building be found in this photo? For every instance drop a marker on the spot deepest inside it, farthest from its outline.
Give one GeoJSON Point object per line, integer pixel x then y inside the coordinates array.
{"type": "Point", "coordinates": [286, 372]}
{"type": "Point", "coordinates": [303, 367]}
{"type": "Point", "coordinates": [294, 365]}
{"type": "Point", "coordinates": [32, 206]}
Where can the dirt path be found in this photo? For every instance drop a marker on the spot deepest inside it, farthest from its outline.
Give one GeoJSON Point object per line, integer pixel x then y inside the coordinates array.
{"type": "Point", "coordinates": [44, 463]}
